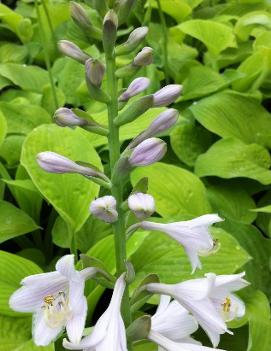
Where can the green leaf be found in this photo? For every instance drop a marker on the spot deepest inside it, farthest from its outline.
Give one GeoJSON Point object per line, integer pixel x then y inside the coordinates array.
{"type": "Point", "coordinates": [202, 81]}
{"type": "Point", "coordinates": [15, 335]}
{"type": "Point", "coordinates": [14, 222]}
{"type": "Point", "coordinates": [13, 269]}
{"type": "Point", "coordinates": [3, 128]}
{"type": "Point", "coordinates": [92, 231]}
{"type": "Point", "coordinates": [248, 22]}
{"type": "Point", "coordinates": [216, 36]}
{"type": "Point", "coordinates": [177, 192]}
{"type": "Point", "coordinates": [232, 202]}
{"type": "Point", "coordinates": [10, 52]}
{"type": "Point", "coordinates": [230, 158]}
{"type": "Point", "coordinates": [168, 260]}
{"type": "Point", "coordinates": [259, 248]}
{"type": "Point", "coordinates": [10, 150]}
{"type": "Point", "coordinates": [234, 115]}
{"type": "Point", "coordinates": [258, 312]}
{"type": "Point", "coordinates": [189, 140]}
{"type": "Point", "coordinates": [22, 117]}
{"type": "Point", "coordinates": [70, 194]}
{"type": "Point", "coordinates": [31, 78]}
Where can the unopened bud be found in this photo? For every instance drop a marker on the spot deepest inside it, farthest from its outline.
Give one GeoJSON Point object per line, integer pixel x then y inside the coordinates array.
{"type": "Point", "coordinates": [144, 57]}
{"type": "Point", "coordinates": [135, 39]}
{"type": "Point", "coordinates": [163, 122]}
{"type": "Point", "coordinates": [149, 151]}
{"type": "Point", "coordinates": [79, 15]}
{"type": "Point", "coordinates": [52, 162]}
{"type": "Point", "coordinates": [110, 26]}
{"type": "Point", "coordinates": [66, 117]}
{"type": "Point", "coordinates": [137, 86]}
{"type": "Point", "coordinates": [125, 7]}
{"type": "Point", "coordinates": [104, 208]}
{"type": "Point", "coordinates": [71, 50]}
{"type": "Point", "coordinates": [142, 205]}
{"type": "Point", "coordinates": [82, 19]}
{"type": "Point", "coordinates": [94, 76]}
{"type": "Point", "coordinates": [167, 95]}
{"type": "Point", "coordinates": [95, 72]}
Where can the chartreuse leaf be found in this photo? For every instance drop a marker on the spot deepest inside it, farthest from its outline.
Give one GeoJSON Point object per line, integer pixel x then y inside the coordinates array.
{"type": "Point", "coordinates": [189, 139]}
{"type": "Point", "coordinates": [3, 127]}
{"type": "Point", "coordinates": [230, 114]}
{"type": "Point", "coordinates": [216, 36]}
{"type": "Point", "coordinates": [15, 335]}
{"type": "Point", "coordinates": [32, 78]}
{"type": "Point", "coordinates": [165, 257]}
{"type": "Point", "coordinates": [230, 158]}
{"type": "Point", "coordinates": [178, 9]}
{"type": "Point", "coordinates": [13, 269]}
{"type": "Point", "coordinates": [248, 22]}
{"type": "Point", "coordinates": [70, 194]}
{"type": "Point", "coordinates": [202, 81]}
{"type": "Point", "coordinates": [22, 117]}
{"type": "Point", "coordinates": [232, 202]}
{"type": "Point", "coordinates": [14, 222]}
{"type": "Point", "coordinates": [176, 191]}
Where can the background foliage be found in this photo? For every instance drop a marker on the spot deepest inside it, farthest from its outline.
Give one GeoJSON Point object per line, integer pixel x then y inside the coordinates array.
{"type": "Point", "coordinates": [219, 159]}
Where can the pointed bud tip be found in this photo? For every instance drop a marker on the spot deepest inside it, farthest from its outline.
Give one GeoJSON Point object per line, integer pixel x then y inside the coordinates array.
{"type": "Point", "coordinates": [147, 152]}
{"type": "Point", "coordinates": [167, 95]}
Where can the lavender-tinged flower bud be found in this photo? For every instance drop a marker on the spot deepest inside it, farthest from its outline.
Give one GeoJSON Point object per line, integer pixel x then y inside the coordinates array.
{"type": "Point", "coordinates": [137, 86]}
{"type": "Point", "coordinates": [149, 151]}
{"type": "Point", "coordinates": [163, 122]}
{"type": "Point", "coordinates": [110, 26]}
{"type": "Point", "coordinates": [125, 7]}
{"type": "Point", "coordinates": [142, 205]}
{"type": "Point", "coordinates": [79, 15]}
{"type": "Point", "coordinates": [52, 162]}
{"type": "Point", "coordinates": [167, 95]}
{"type": "Point", "coordinates": [71, 50]}
{"type": "Point", "coordinates": [66, 117]}
{"type": "Point", "coordinates": [104, 208]}
{"type": "Point", "coordinates": [135, 39]}
{"type": "Point", "coordinates": [95, 72]}
{"type": "Point", "coordinates": [144, 57]}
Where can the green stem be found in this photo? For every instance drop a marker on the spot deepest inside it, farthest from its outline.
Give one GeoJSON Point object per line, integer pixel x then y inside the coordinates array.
{"type": "Point", "coordinates": [46, 53]}
{"type": "Point", "coordinates": [73, 248]}
{"type": "Point", "coordinates": [165, 40]}
{"type": "Point", "coordinates": [117, 190]}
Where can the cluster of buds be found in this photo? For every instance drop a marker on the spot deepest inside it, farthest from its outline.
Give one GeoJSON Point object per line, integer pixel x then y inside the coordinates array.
{"type": "Point", "coordinates": [57, 298]}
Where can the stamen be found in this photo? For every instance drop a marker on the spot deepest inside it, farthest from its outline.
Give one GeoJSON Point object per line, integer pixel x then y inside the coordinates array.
{"type": "Point", "coordinates": [56, 309]}
{"type": "Point", "coordinates": [227, 305]}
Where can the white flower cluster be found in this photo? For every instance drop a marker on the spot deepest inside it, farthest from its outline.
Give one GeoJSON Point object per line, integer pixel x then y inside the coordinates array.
{"type": "Point", "coordinates": [58, 302]}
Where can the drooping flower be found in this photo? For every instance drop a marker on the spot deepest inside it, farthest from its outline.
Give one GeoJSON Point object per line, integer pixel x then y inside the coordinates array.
{"type": "Point", "coordinates": [142, 205]}
{"type": "Point", "coordinates": [109, 331]}
{"type": "Point", "coordinates": [210, 300]}
{"type": "Point", "coordinates": [193, 235]}
{"type": "Point", "coordinates": [171, 327]}
{"type": "Point", "coordinates": [56, 300]}
{"type": "Point", "coordinates": [104, 208]}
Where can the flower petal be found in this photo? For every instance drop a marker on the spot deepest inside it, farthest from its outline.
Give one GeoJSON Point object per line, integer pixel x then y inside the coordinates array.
{"type": "Point", "coordinates": [43, 335]}
{"type": "Point", "coordinates": [65, 266]}
{"type": "Point", "coordinates": [78, 305]}
{"type": "Point", "coordinates": [28, 299]}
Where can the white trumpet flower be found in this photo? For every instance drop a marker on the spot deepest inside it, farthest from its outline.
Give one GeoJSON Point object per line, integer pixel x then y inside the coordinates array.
{"type": "Point", "coordinates": [109, 331]}
{"type": "Point", "coordinates": [193, 235]}
{"type": "Point", "coordinates": [57, 301]}
{"type": "Point", "coordinates": [209, 299]}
